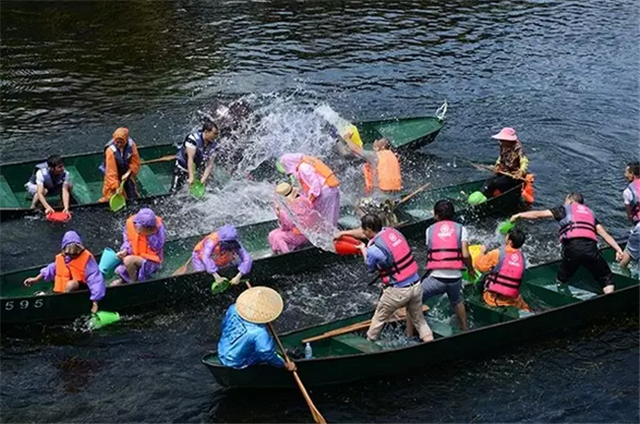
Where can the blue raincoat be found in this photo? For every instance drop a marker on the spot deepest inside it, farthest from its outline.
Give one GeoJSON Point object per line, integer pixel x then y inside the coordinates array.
{"type": "Point", "coordinates": [244, 343]}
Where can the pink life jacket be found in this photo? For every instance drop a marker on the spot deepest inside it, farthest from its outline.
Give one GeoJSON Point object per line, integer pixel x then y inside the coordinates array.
{"type": "Point", "coordinates": [634, 188]}
{"type": "Point", "coordinates": [579, 222]}
{"type": "Point", "coordinates": [399, 264]}
{"type": "Point", "coordinates": [444, 250]}
{"type": "Point", "coordinates": [505, 278]}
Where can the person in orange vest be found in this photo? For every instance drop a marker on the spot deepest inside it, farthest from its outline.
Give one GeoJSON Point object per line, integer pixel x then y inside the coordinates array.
{"type": "Point", "coordinates": [219, 249]}
{"type": "Point", "coordinates": [74, 268]}
{"type": "Point", "coordinates": [287, 236]}
{"type": "Point", "coordinates": [386, 176]}
{"type": "Point", "coordinates": [142, 248]}
{"type": "Point", "coordinates": [506, 267]}
{"type": "Point", "coordinates": [318, 182]}
{"type": "Point", "coordinates": [121, 163]}
{"type": "Point", "coordinates": [579, 231]}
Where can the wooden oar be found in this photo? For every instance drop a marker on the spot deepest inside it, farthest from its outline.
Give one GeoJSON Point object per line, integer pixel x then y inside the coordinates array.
{"type": "Point", "coordinates": [317, 416]}
{"type": "Point", "coordinates": [183, 269]}
{"type": "Point", "coordinates": [351, 328]}
{"type": "Point", "coordinates": [490, 168]}
{"type": "Point", "coordinates": [162, 159]}
{"type": "Point", "coordinates": [413, 193]}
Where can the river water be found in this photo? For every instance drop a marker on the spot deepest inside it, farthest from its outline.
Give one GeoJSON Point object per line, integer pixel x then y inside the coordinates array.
{"type": "Point", "coordinates": [563, 73]}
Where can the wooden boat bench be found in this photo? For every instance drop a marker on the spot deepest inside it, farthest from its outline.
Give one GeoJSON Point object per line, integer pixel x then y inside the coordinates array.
{"type": "Point", "coordinates": [9, 199]}
{"type": "Point", "coordinates": [358, 343]}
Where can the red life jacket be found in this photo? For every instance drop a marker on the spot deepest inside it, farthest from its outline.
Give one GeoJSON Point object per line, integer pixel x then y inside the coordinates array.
{"type": "Point", "coordinates": [579, 222]}
{"type": "Point", "coordinates": [219, 258]}
{"type": "Point", "coordinates": [634, 187]}
{"type": "Point", "coordinates": [505, 278]}
{"type": "Point", "coordinates": [444, 250]}
{"type": "Point", "coordinates": [74, 270]}
{"type": "Point", "coordinates": [400, 264]}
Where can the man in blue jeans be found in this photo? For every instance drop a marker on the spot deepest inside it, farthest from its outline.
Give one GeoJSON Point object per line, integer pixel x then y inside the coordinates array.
{"type": "Point", "coordinates": [447, 256]}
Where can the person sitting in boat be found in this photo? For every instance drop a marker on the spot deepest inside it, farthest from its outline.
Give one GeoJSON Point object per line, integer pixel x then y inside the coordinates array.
{"type": "Point", "coordinates": [318, 182]}
{"type": "Point", "coordinates": [221, 248]}
{"type": "Point", "coordinates": [383, 182]}
{"type": "Point", "coordinates": [245, 339]}
{"type": "Point", "coordinates": [121, 165]}
{"type": "Point", "coordinates": [579, 230]}
{"type": "Point", "coordinates": [142, 248]}
{"type": "Point", "coordinates": [511, 161]}
{"type": "Point", "coordinates": [287, 236]}
{"type": "Point", "coordinates": [631, 194]}
{"type": "Point", "coordinates": [50, 179]}
{"type": "Point", "coordinates": [389, 253]}
{"type": "Point", "coordinates": [197, 150]}
{"type": "Point", "coordinates": [506, 267]}
{"type": "Point", "coordinates": [447, 255]}
{"type": "Point", "coordinates": [73, 269]}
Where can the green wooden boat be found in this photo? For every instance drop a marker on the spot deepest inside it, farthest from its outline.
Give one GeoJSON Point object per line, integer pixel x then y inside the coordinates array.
{"type": "Point", "coordinates": [155, 178]}
{"type": "Point", "coordinates": [20, 304]}
{"type": "Point", "coordinates": [350, 357]}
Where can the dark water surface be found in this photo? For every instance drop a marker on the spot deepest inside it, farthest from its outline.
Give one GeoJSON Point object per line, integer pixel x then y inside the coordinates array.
{"type": "Point", "coordinates": [563, 73]}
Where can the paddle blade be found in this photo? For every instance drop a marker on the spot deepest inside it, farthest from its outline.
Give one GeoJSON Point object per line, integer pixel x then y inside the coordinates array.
{"type": "Point", "coordinates": [59, 217]}
{"type": "Point", "coordinates": [505, 226]}
{"type": "Point", "coordinates": [222, 286]}
{"type": "Point", "coordinates": [103, 318]}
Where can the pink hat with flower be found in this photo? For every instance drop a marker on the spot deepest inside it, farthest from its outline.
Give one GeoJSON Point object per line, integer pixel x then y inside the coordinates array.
{"type": "Point", "coordinates": [506, 134]}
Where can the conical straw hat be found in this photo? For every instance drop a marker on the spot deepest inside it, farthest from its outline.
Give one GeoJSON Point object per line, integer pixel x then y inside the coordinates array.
{"type": "Point", "coordinates": [284, 189]}
{"type": "Point", "coordinates": [259, 305]}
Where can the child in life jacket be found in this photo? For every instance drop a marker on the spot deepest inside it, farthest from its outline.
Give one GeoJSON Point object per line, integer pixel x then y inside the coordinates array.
{"type": "Point", "coordinates": [505, 266]}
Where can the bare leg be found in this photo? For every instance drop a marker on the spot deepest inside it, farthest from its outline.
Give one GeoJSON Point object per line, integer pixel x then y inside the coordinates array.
{"type": "Point", "coordinates": [608, 289]}
{"type": "Point", "coordinates": [36, 199]}
{"type": "Point", "coordinates": [116, 282]}
{"type": "Point", "coordinates": [66, 190]}
{"type": "Point", "coordinates": [133, 264]}
{"type": "Point", "coordinates": [461, 313]}
{"type": "Point", "coordinates": [72, 286]}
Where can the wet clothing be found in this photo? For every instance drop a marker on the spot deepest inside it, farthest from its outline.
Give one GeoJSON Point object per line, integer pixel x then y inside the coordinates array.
{"type": "Point", "coordinates": [497, 300]}
{"type": "Point", "coordinates": [208, 256]}
{"type": "Point", "coordinates": [385, 175]}
{"type": "Point", "coordinates": [633, 243]}
{"type": "Point", "coordinates": [288, 237]}
{"type": "Point", "coordinates": [581, 251]}
{"type": "Point", "coordinates": [93, 278]}
{"type": "Point", "coordinates": [204, 152]}
{"type": "Point", "coordinates": [117, 163]}
{"type": "Point", "coordinates": [506, 267]}
{"type": "Point", "coordinates": [488, 262]}
{"type": "Point", "coordinates": [244, 343]}
{"type": "Point", "coordinates": [434, 286]}
{"type": "Point", "coordinates": [150, 248]}
{"type": "Point", "coordinates": [318, 183]}
{"type": "Point", "coordinates": [43, 176]}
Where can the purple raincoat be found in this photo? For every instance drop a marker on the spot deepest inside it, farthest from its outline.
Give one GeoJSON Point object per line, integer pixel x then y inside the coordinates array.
{"type": "Point", "coordinates": [207, 263]}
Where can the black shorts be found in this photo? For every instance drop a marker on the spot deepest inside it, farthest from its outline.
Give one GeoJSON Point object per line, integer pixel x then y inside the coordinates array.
{"type": "Point", "coordinates": [584, 252]}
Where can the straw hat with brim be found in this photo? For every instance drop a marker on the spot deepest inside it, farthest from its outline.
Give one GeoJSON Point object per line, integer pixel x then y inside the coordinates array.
{"type": "Point", "coordinates": [284, 189]}
{"type": "Point", "coordinates": [506, 134]}
{"type": "Point", "coordinates": [259, 305]}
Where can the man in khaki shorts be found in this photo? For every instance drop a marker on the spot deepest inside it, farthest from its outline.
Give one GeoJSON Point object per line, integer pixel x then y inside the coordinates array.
{"type": "Point", "coordinates": [389, 253]}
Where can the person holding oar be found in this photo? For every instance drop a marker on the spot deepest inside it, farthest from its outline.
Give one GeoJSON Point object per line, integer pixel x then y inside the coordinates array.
{"type": "Point", "coordinates": [197, 150]}
{"type": "Point", "coordinates": [50, 178]}
{"type": "Point", "coordinates": [287, 237]}
{"type": "Point", "coordinates": [319, 183]}
{"type": "Point", "coordinates": [579, 231]}
{"type": "Point", "coordinates": [506, 266]}
{"type": "Point", "coordinates": [121, 165]}
{"type": "Point", "coordinates": [142, 249]}
{"type": "Point", "coordinates": [511, 161]}
{"type": "Point", "coordinates": [390, 255]}
{"type": "Point", "coordinates": [74, 268]}
{"type": "Point", "coordinates": [245, 339]}
{"type": "Point", "coordinates": [218, 249]}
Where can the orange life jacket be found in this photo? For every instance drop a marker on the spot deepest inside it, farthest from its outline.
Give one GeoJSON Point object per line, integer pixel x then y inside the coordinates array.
{"type": "Point", "coordinates": [330, 179]}
{"type": "Point", "coordinates": [138, 241]}
{"type": "Point", "coordinates": [74, 270]}
{"type": "Point", "coordinates": [219, 258]}
{"type": "Point", "coordinates": [387, 173]}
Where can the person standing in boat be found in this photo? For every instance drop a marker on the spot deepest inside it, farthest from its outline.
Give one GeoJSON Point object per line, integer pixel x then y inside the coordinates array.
{"type": "Point", "coordinates": [579, 230]}
{"type": "Point", "coordinates": [222, 248]}
{"type": "Point", "coordinates": [631, 198]}
{"type": "Point", "coordinates": [121, 164]}
{"type": "Point", "coordinates": [319, 183]}
{"type": "Point", "coordinates": [506, 267]}
{"type": "Point", "coordinates": [142, 250]}
{"type": "Point", "coordinates": [50, 179]}
{"type": "Point", "coordinates": [389, 253]}
{"type": "Point", "coordinates": [447, 256]}
{"type": "Point", "coordinates": [287, 236]}
{"type": "Point", "coordinates": [197, 151]}
{"type": "Point", "coordinates": [74, 268]}
{"type": "Point", "coordinates": [245, 339]}
{"type": "Point", "coordinates": [511, 160]}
